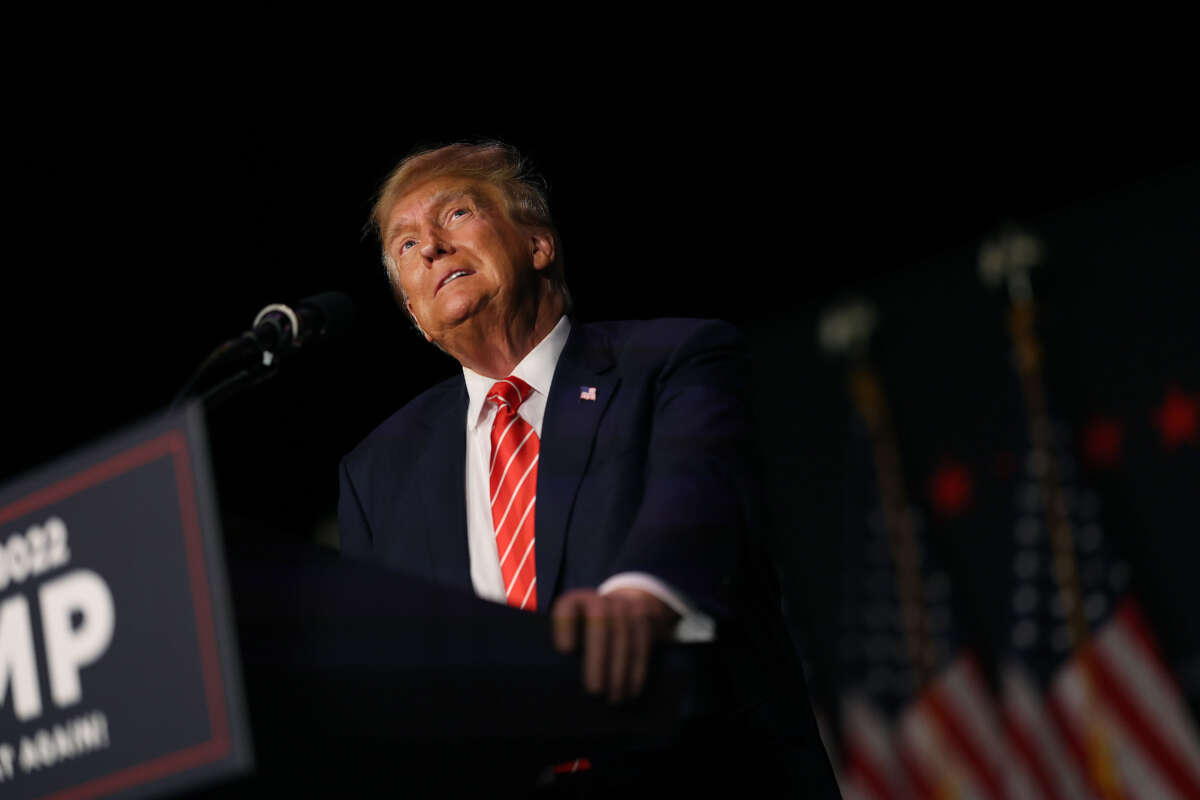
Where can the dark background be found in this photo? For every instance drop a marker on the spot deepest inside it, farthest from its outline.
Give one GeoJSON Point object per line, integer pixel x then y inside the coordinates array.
{"type": "Point", "coordinates": [143, 231]}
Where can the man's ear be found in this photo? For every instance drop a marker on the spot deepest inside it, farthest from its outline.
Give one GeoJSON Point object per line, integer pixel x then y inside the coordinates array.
{"type": "Point", "coordinates": [413, 317]}
{"type": "Point", "coordinates": [541, 243]}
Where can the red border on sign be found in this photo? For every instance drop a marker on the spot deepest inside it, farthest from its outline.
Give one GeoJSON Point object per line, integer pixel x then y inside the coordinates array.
{"type": "Point", "coordinates": [174, 444]}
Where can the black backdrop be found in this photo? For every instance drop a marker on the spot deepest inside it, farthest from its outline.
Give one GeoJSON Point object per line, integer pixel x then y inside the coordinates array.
{"type": "Point", "coordinates": [144, 231]}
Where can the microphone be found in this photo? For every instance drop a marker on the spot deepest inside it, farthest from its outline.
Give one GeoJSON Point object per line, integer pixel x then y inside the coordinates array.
{"type": "Point", "coordinates": [278, 330]}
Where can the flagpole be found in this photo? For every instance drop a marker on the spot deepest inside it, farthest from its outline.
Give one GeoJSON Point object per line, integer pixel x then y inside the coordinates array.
{"type": "Point", "coordinates": [846, 330]}
{"type": "Point", "coordinates": [1009, 259]}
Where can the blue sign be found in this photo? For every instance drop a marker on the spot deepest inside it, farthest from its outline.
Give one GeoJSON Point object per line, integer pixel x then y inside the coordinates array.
{"type": "Point", "coordinates": [118, 666]}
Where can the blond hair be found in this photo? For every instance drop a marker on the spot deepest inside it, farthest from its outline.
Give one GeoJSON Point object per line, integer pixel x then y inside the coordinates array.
{"type": "Point", "coordinates": [522, 190]}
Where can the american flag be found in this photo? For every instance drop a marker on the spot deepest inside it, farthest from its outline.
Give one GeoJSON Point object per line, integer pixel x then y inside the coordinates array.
{"type": "Point", "coordinates": [917, 717]}
{"type": "Point", "coordinates": [1089, 707]}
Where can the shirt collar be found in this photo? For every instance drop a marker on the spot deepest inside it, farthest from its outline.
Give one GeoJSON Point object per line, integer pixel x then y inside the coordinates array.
{"type": "Point", "coordinates": [536, 369]}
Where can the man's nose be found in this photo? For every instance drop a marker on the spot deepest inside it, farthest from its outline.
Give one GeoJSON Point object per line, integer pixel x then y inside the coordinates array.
{"type": "Point", "coordinates": [435, 247]}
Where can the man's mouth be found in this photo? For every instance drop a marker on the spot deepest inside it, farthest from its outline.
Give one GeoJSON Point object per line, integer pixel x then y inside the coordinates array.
{"type": "Point", "coordinates": [453, 275]}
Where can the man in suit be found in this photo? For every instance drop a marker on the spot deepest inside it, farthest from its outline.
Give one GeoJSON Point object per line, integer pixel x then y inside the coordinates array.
{"type": "Point", "coordinates": [598, 472]}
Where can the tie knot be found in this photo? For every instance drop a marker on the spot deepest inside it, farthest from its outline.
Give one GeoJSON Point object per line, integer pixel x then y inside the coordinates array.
{"type": "Point", "coordinates": [510, 393]}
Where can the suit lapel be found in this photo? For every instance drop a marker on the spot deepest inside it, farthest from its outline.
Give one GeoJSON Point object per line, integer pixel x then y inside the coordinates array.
{"type": "Point", "coordinates": [568, 432]}
{"type": "Point", "coordinates": [443, 486]}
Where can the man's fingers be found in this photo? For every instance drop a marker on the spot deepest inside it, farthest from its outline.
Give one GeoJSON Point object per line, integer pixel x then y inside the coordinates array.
{"type": "Point", "coordinates": [595, 646]}
{"type": "Point", "coordinates": [620, 630]}
{"type": "Point", "coordinates": [564, 621]}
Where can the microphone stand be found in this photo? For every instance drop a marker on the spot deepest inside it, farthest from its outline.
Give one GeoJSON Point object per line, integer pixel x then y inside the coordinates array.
{"type": "Point", "coordinates": [260, 365]}
{"type": "Point", "coordinates": [277, 332]}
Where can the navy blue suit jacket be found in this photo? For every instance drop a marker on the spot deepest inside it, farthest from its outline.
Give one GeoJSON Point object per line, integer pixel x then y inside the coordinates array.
{"type": "Point", "coordinates": [655, 475]}
{"type": "Point", "coordinates": [651, 476]}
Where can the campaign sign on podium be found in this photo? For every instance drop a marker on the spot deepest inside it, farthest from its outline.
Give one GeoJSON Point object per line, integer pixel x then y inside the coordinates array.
{"type": "Point", "coordinates": [118, 668]}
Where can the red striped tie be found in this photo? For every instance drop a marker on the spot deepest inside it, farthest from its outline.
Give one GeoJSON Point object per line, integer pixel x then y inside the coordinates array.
{"type": "Point", "coordinates": [513, 482]}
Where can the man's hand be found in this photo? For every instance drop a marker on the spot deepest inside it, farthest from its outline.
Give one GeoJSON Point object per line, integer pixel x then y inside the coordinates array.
{"type": "Point", "coordinates": [618, 631]}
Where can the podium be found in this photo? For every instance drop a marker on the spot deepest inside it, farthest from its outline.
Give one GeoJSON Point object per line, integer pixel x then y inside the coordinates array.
{"type": "Point", "coordinates": [369, 675]}
{"type": "Point", "coordinates": [141, 656]}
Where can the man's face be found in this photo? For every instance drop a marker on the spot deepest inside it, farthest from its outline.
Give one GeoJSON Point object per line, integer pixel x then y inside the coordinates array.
{"type": "Point", "coordinates": [458, 257]}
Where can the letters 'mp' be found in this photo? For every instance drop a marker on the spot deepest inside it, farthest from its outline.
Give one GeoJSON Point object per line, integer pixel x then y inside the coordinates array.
{"type": "Point", "coordinates": [68, 647]}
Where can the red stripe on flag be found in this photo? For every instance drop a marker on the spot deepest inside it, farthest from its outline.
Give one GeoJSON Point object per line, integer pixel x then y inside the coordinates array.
{"type": "Point", "coordinates": [1130, 617]}
{"type": "Point", "coordinates": [1156, 746]}
{"type": "Point", "coordinates": [1075, 747]}
{"type": "Point", "coordinates": [860, 767]}
{"type": "Point", "coordinates": [922, 783]}
{"type": "Point", "coordinates": [1024, 744]}
{"type": "Point", "coordinates": [959, 736]}
{"type": "Point", "coordinates": [1131, 614]}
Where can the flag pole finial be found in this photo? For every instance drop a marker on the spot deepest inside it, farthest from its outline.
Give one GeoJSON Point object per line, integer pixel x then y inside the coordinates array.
{"type": "Point", "coordinates": [845, 328]}
{"type": "Point", "coordinates": [1007, 258]}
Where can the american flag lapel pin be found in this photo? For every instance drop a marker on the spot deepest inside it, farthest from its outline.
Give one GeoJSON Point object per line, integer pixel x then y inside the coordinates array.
{"type": "Point", "coordinates": [587, 393]}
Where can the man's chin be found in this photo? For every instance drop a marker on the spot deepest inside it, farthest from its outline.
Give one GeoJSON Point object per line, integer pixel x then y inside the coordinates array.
{"type": "Point", "coordinates": [462, 312]}
{"type": "Point", "coordinates": [454, 327]}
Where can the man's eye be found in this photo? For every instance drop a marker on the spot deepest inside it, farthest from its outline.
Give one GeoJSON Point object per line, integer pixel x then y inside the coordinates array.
{"type": "Point", "coordinates": [407, 244]}
{"type": "Point", "coordinates": [456, 213]}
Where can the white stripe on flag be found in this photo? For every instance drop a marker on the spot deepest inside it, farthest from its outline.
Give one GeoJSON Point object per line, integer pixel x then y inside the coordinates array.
{"type": "Point", "coordinates": [1023, 704]}
{"type": "Point", "coordinates": [1092, 719]}
{"type": "Point", "coordinates": [867, 734]}
{"type": "Point", "coordinates": [970, 701]}
{"type": "Point", "coordinates": [852, 788]}
{"type": "Point", "coordinates": [1138, 671]}
{"type": "Point", "coordinates": [943, 766]}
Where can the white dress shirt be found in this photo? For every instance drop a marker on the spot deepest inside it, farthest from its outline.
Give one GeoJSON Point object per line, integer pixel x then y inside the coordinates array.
{"type": "Point", "coordinates": [537, 370]}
